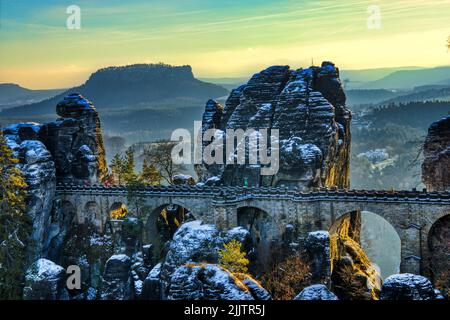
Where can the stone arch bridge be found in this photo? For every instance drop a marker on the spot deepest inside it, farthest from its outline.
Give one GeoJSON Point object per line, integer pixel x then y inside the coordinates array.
{"type": "Point", "coordinates": [411, 213]}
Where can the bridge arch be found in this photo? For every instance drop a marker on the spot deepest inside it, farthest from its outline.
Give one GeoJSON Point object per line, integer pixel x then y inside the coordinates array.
{"type": "Point", "coordinates": [265, 233]}
{"type": "Point", "coordinates": [439, 248]}
{"type": "Point", "coordinates": [378, 238]}
{"type": "Point", "coordinates": [161, 224]}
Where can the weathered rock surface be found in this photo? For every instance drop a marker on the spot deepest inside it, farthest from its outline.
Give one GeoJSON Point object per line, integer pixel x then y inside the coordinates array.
{"type": "Point", "coordinates": [139, 273]}
{"type": "Point", "coordinates": [206, 282]}
{"type": "Point", "coordinates": [407, 286]}
{"type": "Point", "coordinates": [152, 287]}
{"type": "Point", "coordinates": [69, 149]}
{"type": "Point", "coordinates": [316, 292]}
{"type": "Point", "coordinates": [439, 247]}
{"type": "Point", "coordinates": [75, 141]}
{"type": "Point", "coordinates": [436, 150]}
{"type": "Point", "coordinates": [198, 242]}
{"type": "Point", "coordinates": [116, 278]}
{"type": "Point", "coordinates": [193, 242]}
{"type": "Point", "coordinates": [307, 106]}
{"type": "Point", "coordinates": [38, 168]}
{"type": "Point", "coordinates": [255, 289]}
{"type": "Point", "coordinates": [354, 276]}
{"type": "Point", "coordinates": [86, 248]}
{"type": "Point", "coordinates": [317, 245]}
{"type": "Point", "coordinates": [45, 280]}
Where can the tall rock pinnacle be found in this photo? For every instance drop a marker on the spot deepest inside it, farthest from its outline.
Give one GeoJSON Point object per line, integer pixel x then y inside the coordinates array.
{"type": "Point", "coordinates": [308, 107]}
{"type": "Point", "coordinates": [75, 141]}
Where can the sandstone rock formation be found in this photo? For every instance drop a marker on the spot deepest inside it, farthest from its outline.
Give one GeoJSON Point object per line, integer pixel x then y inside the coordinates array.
{"type": "Point", "coordinates": [407, 286]}
{"type": "Point", "coordinates": [317, 245]}
{"type": "Point", "coordinates": [116, 278]}
{"type": "Point", "coordinates": [69, 149]}
{"type": "Point", "coordinates": [193, 241]}
{"type": "Point", "coordinates": [38, 168]}
{"type": "Point", "coordinates": [316, 292]}
{"type": "Point", "coordinates": [75, 141]}
{"type": "Point", "coordinates": [211, 282]}
{"type": "Point", "coordinates": [436, 150]}
{"type": "Point", "coordinates": [196, 242]}
{"type": "Point", "coordinates": [45, 280]}
{"type": "Point", "coordinates": [307, 106]}
{"type": "Point", "coordinates": [85, 247]}
{"type": "Point", "coordinates": [353, 277]}
{"type": "Point", "coordinates": [152, 288]}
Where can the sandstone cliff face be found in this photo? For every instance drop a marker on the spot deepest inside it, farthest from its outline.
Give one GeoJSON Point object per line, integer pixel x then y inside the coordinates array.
{"type": "Point", "coordinates": [75, 141]}
{"type": "Point", "coordinates": [354, 276]}
{"type": "Point", "coordinates": [308, 108]}
{"type": "Point", "coordinates": [436, 166]}
{"type": "Point", "coordinates": [69, 149]}
{"type": "Point", "coordinates": [38, 168]}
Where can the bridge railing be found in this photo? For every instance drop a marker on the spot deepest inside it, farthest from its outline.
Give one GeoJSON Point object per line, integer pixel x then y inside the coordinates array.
{"type": "Point", "coordinates": [230, 193]}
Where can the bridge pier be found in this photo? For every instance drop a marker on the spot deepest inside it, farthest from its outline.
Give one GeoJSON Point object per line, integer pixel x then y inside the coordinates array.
{"type": "Point", "coordinates": [411, 253]}
{"type": "Point", "coordinates": [225, 216]}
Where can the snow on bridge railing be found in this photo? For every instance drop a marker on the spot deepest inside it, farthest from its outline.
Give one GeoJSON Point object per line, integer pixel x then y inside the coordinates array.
{"type": "Point", "coordinates": [230, 193]}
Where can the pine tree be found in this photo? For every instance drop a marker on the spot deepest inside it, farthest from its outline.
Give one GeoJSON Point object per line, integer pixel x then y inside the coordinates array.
{"type": "Point", "coordinates": [129, 175]}
{"type": "Point", "coordinates": [150, 174]}
{"type": "Point", "coordinates": [232, 258]}
{"type": "Point", "coordinates": [117, 165]}
{"type": "Point", "coordinates": [15, 225]}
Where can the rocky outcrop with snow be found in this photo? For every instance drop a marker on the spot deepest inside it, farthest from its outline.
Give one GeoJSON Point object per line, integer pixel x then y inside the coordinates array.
{"type": "Point", "coordinates": [436, 150]}
{"type": "Point", "coordinates": [255, 288]}
{"type": "Point", "coordinates": [116, 278]}
{"type": "Point", "coordinates": [75, 141]}
{"type": "Point", "coordinates": [308, 108]}
{"type": "Point", "coordinates": [193, 242]}
{"type": "Point", "coordinates": [152, 287]}
{"type": "Point", "coordinates": [69, 149]}
{"type": "Point", "coordinates": [38, 168]}
{"type": "Point", "coordinates": [316, 292]}
{"type": "Point", "coordinates": [407, 286]}
{"type": "Point", "coordinates": [317, 245]}
{"type": "Point", "coordinates": [197, 242]}
{"type": "Point", "coordinates": [45, 280]}
{"type": "Point", "coordinates": [206, 282]}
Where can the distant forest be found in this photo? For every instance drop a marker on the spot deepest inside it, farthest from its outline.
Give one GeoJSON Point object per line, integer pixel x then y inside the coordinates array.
{"type": "Point", "coordinates": [399, 130]}
{"type": "Point", "coordinates": [414, 114]}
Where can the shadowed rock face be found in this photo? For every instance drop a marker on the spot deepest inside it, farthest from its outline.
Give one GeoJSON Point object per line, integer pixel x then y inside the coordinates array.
{"type": "Point", "coordinates": [69, 149]}
{"type": "Point", "coordinates": [116, 278]}
{"type": "Point", "coordinates": [308, 108]}
{"type": "Point", "coordinates": [75, 141]}
{"type": "Point", "coordinates": [38, 168]}
{"type": "Point", "coordinates": [436, 166]}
